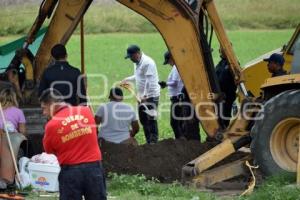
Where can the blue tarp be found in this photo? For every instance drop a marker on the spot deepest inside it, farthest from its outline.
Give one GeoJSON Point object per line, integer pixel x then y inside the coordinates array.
{"type": "Point", "coordinates": [7, 51]}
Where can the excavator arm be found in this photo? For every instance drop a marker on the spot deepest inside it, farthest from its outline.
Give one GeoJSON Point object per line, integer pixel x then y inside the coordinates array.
{"type": "Point", "coordinates": [177, 23]}
{"type": "Point", "coordinates": [64, 21]}
{"type": "Point", "coordinates": [184, 29]}
{"type": "Point", "coordinates": [190, 48]}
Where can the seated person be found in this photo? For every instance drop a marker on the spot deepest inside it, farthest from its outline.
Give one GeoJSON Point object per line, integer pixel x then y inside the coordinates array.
{"type": "Point", "coordinates": [275, 65]}
{"type": "Point", "coordinates": [118, 121]}
{"type": "Point", "coordinates": [14, 123]}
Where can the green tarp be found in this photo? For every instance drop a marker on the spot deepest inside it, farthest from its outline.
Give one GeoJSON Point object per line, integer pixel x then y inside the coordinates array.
{"type": "Point", "coordinates": [7, 51]}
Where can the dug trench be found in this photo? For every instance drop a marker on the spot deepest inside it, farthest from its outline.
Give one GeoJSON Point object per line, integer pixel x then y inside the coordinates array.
{"type": "Point", "coordinates": [163, 160]}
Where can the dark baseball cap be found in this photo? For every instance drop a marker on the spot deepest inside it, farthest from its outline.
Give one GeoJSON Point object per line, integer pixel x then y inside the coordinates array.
{"type": "Point", "coordinates": [277, 58]}
{"type": "Point", "coordinates": [132, 49]}
{"type": "Point", "coordinates": [167, 57]}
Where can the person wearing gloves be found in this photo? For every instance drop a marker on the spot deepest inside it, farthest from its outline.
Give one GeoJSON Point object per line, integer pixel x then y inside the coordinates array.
{"type": "Point", "coordinates": [175, 85]}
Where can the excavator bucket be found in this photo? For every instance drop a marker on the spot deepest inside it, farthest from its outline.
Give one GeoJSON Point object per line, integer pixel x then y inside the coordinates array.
{"type": "Point", "coordinates": [16, 141]}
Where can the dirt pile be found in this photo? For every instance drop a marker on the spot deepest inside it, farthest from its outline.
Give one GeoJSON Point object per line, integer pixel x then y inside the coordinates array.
{"type": "Point", "coordinates": [163, 160]}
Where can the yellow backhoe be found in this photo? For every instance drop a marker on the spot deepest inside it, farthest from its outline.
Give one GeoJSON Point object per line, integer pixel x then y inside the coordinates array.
{"type": "Point", "coordinates": [271, 130]}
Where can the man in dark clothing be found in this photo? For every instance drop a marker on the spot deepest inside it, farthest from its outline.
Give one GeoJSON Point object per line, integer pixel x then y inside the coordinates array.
{"type": "Point", "coordinates": [228, 88]}
{"type": "Point", "coordinates": [64, 78]}
{"type": "Point", "coordinates": [275, 64]}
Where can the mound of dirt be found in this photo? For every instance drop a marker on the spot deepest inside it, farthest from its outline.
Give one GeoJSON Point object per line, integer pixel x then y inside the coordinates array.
{"type": "Point", "coordinates": [162, 161]}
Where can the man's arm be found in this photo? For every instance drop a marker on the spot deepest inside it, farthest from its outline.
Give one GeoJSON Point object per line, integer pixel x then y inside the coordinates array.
{"type": "Point", "coordinates": [130, 78]}
{"type": "Point", "coordinates": [135, 128]}
{"type": "Point", "coordinates": [147, 86]}
{"type": "Point", "coordinates": [174, 77]}
{"type": "Point", "coordinates": [47, 140]}
{"type": "Point", "coordinates": [22, 128]}
{"type": "Point", "coordinates": [82, 97]}
{"type": "Point", "coordinates": [99, 117]}
{"type": "Point", "coordinates": [98, 120]}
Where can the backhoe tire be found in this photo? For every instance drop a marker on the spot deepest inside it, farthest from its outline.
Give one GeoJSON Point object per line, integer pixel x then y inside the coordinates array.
{"type": "Point", "coordinates": [275, 137]}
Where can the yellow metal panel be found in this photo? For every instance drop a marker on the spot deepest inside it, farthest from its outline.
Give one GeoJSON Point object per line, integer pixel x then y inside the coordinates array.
{"type": "Point", "coordinates": [214, 155]}
{"type": "Point", "coordinates": [224, 172]}
{"type": "Point", "coordinates": [281, 80]}
{"type": "Point", "coordinates": [28, 68]}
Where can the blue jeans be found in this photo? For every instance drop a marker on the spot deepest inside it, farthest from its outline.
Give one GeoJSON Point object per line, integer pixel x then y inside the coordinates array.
{"type": "Point", "coordinates": [86, 179]}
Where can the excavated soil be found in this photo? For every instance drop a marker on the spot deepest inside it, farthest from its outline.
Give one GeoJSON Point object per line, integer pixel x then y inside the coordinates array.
{"type": "Point", "coordinates": [162, 161]}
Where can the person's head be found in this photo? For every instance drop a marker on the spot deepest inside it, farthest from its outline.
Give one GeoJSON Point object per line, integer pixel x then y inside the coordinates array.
{"type": "Point", "coordinates": [59, 52]}
{"type": "Point", "coordinates": [8, 97]}
{"type": "Point", "coordinates": [116, 94]}
{"type": "Point", "coordinates": [275, 62]}
{"type": "Point", "coordinates": [168, 59]}
{"type": "Point", "coordinates": [134, 53]}
{"type": "Point", "coordinates": [51, 99]}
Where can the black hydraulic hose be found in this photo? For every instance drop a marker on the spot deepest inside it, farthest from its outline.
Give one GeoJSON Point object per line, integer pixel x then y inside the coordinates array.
{"type": "Point", "coordinates": [208, 60]}
{"type": "Point", "coordinates": [242, 142]}
{"type": "Point", "coordinates": [211, 35]}
{"type": "Point", "coordinates": [206, 26]}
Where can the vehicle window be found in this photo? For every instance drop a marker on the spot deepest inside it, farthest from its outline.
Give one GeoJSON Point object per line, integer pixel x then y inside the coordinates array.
{"type": "Point", "coordinates": [295, 45]}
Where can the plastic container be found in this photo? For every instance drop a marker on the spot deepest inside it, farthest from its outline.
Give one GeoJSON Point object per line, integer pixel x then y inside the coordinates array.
{"type": "Point", "coordinates": [44, 176]}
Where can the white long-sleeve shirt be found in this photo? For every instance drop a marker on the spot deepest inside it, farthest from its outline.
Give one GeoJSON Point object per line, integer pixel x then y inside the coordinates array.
{"type": "Point", "coordinates": [174, 82]}
{"type": "Point", "coordinates": [146, 78]}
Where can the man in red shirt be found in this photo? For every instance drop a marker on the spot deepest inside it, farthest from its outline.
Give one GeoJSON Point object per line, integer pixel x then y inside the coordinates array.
{"type": "Point", "coordinates": [71, 135]}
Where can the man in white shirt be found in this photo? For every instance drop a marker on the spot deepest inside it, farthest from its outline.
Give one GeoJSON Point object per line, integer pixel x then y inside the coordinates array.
{"type": "Point", "coordinates": [148, 90]}
{"type": "Point", "coordinates": [118, 121]}
{"type": "Point", "coordinates": [175, 85]}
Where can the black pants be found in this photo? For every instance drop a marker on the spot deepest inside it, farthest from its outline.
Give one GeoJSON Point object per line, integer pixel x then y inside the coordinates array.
{"type": "Point", "coordinates": [225, 111]}
{"type": "Point", "coordinates": [176, 117]}
{"type": "Point", "coordinates": [86, 180]}
{"type": "Point", "coordinates": [149, 123]}
{"type": "Point", "coordinates": [190, 125]}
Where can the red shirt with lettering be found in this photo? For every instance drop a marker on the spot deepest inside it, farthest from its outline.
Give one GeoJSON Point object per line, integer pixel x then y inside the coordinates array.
{"type": "Point", "coordinates": [71, 135]}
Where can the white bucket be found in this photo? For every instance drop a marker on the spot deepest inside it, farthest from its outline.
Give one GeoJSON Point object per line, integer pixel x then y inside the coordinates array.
{"type": "Point", "coordinates": [44, 176]}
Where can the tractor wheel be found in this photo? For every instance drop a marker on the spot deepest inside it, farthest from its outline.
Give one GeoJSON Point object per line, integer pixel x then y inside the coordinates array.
{"type": "Point", "coordinates": [275, 136]}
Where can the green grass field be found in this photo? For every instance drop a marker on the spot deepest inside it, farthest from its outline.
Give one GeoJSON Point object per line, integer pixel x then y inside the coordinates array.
{"type": "Point", "coordinates": [105, 55]}
{"type": "Point", "coordinates": [114, 17]}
